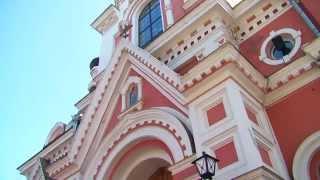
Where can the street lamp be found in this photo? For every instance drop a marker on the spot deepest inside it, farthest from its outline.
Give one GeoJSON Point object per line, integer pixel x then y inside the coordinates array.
{"type": "Point", "coordinates": [206, 166]}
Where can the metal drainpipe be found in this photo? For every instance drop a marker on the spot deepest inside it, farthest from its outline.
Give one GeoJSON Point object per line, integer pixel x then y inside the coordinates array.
{"type": "Point", "coordinates": [305, 18]}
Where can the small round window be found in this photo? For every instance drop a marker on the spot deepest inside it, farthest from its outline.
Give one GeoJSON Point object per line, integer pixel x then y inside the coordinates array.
{"type": "Point", "coordinates": [280, 46]}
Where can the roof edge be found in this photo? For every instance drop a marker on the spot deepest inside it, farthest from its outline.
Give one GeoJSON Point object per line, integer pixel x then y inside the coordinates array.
{"type": "Point", "coordinates": [106, 19]}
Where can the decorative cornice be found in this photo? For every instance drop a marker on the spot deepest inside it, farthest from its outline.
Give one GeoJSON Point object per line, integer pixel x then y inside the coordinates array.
{"type": "Point", "coordinates": [182, 165]}
{"type": "Point", "coordinates": [313, 49]}
{"type": "Point", "coordinates": [252, 22]}
{"type": "Point", "coordinates": [260, 173]}
{"type": "Point", "coordinates": [105, 20]}
{"type": "Point", "coordinates": [46, 151]}
{"type": "Point", "coordinates": [173, 81]}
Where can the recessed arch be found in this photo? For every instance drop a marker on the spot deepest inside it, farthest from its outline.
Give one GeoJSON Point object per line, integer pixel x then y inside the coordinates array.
{"type": "Point", "coordinates": [152, 123]}
{"type": "Point", "coordinates": [151, 153]}
{"type": "Point", "coordinates": [132, 80]}
{"type": "Point", "coordinates": [303, 156]}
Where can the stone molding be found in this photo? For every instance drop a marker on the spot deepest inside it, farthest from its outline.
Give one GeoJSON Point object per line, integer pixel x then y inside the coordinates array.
{"type": "Point", "coordinates": [261, 173]}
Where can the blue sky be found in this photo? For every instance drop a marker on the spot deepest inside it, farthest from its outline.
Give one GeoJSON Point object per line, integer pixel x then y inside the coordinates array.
{"type": "Point", "coordinates": [45, 50]}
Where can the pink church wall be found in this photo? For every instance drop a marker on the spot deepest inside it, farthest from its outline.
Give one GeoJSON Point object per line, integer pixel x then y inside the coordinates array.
{"type": "Point", "coordinates": [295, 118]}
{"type": "Point", "coordinates": [178, 10]}
{"type": "Point", "coordinates": [216, 114]}
{"type": "Point", "coordinates": [264, 155]}
{"type": "Point", "coordinates": [151, 97]}
{"type": "Point", "coordinates": [312, 10]}
{"type": "Point", "coordinates": [226, 154]}
{"type": "Point", "coordinates": [114, 118]}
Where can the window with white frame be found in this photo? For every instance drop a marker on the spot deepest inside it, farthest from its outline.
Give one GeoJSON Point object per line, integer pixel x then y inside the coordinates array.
{"type": "Point", "coordinates": [132, 95]}
{"type": "Point", "coordinates": [150, 23]}
{"type": "Point", "coordinates": [131, 92]}
{"type": "Point", "coordinates": [280, 46]}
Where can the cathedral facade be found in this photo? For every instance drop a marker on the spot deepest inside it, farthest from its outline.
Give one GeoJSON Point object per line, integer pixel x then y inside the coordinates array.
{"type": "Point", "coordinates": [236, 79]}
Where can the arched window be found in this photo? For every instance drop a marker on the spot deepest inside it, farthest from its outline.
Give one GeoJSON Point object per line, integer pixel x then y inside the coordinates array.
{"type": "Point", "coordinates": [132, 95]}
{"type": "Point", "coordinates": [150, 23]}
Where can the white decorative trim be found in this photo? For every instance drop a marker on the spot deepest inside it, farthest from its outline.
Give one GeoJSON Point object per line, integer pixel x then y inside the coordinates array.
{"type": "Point", "coordinates": [136, 11]}
{"type": "Point", "coordinates": [296, 35]}
{"type": "Point", "coordinates": [124, 90]}
{"type": "Point", "coordinates": [162, 77]}
{"type": "Point", "coordinates": [56, 127]}
{"type": "Point", "coordinates": [259, 174]}
{"type": "Point", "coordinates": [169, 12]}
{"type": "Point", "coordinates": [116, 141]}
{"type": "Point", "coordinates": [106, 19]}
{"type": "Point", "coordinates": [180, 25]}
{"type": "Point", "coordinates": [94, 71]}
{"type": "Point", "coordinates": [313, 49]}
{"type": "Point", "coordinates": [188, 3]}
{"type": "Point", "coordinates": [84, 102]}
{"type": "Point", "coordinates": [182, 165]}
{"type": "Point", "coordinates": [247, 30]}
{"type": "Point", "coordinates": [215, 100]}
{"type": "Point", "coordinates": [303, 156]}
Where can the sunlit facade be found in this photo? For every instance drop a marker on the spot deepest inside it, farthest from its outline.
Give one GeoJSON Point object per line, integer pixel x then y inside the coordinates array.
{"type": "Point", "coordinates": [237, 79]}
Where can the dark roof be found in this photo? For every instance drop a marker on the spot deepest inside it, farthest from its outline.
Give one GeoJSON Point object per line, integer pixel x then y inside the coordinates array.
{"type": "Point", "coordinates": [94, 62]}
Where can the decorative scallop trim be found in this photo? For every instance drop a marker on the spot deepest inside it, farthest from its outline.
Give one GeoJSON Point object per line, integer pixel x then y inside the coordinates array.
{"type": "Point", "coordinates": [59, 166]}
{"type": "Point", "coordinates": [216, 67]}
{"type": "Point", "coordinates": [195, 37]}
{"type": "Point", "coordinates": [172, 78]}
{"type": "Point", "coordinates": [163, 71]}
{"type": "Point", "coordinates": [255, 21]}
{"type": "Point", "coordinates": [291, 76]}
{"type": "Point", "coordinates": [136, 126]}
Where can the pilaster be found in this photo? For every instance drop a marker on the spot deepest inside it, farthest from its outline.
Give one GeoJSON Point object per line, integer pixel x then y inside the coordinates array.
{"type": "Point", "coordinates": [234, 128]}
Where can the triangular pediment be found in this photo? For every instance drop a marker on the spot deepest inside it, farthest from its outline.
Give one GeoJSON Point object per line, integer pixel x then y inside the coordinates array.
{"type": "Point", "coordinates": [126, 61]}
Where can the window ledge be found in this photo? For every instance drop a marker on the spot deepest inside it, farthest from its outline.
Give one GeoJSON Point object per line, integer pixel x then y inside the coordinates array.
{"type": "Point", "coordinates": [138, 106]}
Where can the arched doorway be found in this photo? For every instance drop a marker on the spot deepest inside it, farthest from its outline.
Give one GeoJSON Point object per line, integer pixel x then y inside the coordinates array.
{"type": "Point", "coordinates": [147, 159]}
{"type": "Point", "coordinates": [151, 169]}
{"type": "Point", "coordinates": [154, 134]}
{"type": "Point", "coordinates": [161, 174]}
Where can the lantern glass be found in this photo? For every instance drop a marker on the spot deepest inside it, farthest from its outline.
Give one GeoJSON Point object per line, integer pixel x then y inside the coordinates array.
{"type": "Point", "coordinates": [206, 166]}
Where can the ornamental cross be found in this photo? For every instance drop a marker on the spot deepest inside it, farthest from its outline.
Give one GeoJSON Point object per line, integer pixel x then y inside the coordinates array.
{"type": "Point", "coordinates": [125, 31]}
